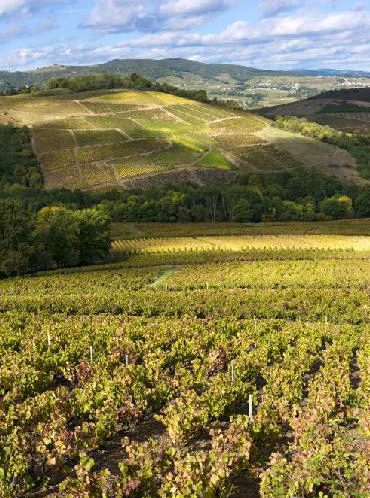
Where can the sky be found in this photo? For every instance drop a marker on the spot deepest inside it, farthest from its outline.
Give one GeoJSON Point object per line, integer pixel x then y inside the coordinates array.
{"type": "Point", "coordinates": [267, 34]}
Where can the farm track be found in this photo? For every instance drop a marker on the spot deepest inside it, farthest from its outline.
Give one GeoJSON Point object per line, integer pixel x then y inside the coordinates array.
{"type": "Point", "coordinates": [167, 272]}
{"type": "Point", "coordinates": [84, 107]}
{"type": "Point", "coordinates": [75, 149]}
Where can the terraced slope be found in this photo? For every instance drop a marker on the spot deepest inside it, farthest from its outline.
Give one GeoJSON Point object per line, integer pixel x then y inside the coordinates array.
{"type": "Point", "coordinates": [139, 139]}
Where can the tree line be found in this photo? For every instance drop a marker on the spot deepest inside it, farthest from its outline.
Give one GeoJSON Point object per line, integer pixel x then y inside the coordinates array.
{"type": "Point", "coordinates": [51, 238]}
{"type": "Point", "coordinates": [356, 144]}
{"type": "Point", "coordinates": [113, 81]}
{"type": "Point", "coordinates": [297, 196]}
{"type": "Point", "coordinates": [18, 164]}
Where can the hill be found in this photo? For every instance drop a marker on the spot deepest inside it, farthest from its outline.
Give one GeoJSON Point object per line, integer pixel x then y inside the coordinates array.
{"type": "Point", "coordinates": [352, 105]}
{"type": "Point", "coordinates": [249, 86]}
{"type": "Point", "coordinates": [150, 68]}
{"type": "Point", "coordinates": [340, 117]}
{"type": "Point", "coordinates": [107, 139]}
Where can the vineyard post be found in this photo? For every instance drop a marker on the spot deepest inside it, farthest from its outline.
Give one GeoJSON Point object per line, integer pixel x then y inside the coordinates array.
{"type": "Point", "coordinates": [126, 360]}
{"type": "Point", "coordinates": [91, 354]}
{"type": "Point", "coordinates": [49, 339]}
{"type": "Point", "coordinates": [250, 406]}
{"type": "Point", "coordinates": [232, 371]}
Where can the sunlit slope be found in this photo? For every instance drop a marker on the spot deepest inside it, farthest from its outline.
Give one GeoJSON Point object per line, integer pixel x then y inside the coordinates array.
{"type": "Point", "coordinates": [141, 139]}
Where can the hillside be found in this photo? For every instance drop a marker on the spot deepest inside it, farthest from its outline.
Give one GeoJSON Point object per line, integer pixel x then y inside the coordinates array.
{"type": "Point", "coordinates": [248, 86]}
{"type": "Point", "coordinates": [341, 118]}
{"type": "Point", "coordinates": [129, 139]}
{"type": "Point", "coordinates": [347, 109]}
{"type": "Point", "coordinates": [150, 68]}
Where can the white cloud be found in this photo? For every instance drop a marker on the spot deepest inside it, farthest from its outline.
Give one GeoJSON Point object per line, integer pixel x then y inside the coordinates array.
{"type": "Point", "coordinates": [131, 15]}
{"type": "Point", "coordinates": [193, 7]}
{"type": "Point", "coordinates": [274, 7]}
{"type": "Point", "coordinates": [13, 7]}
{"type": "Point", "coordinates": [9, 6]}
{"type": "Point", "coordinates": [111, 15]}
{"type": "Point", "coordinates": [317, 39]}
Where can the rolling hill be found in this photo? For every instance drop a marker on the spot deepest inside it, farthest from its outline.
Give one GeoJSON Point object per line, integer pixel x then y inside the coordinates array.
{"type": "Point", "coordinates": [129, 139]}
{"type": "Point", "coordinates": [150, 68]}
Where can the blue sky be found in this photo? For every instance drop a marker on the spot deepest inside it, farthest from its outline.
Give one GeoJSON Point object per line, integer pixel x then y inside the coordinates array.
{"type": "Point", "coordinates": [281, 34]}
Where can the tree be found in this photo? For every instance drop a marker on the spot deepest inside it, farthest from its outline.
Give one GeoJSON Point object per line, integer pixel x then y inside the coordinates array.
{"type": "Point", "coordinates": [58, 230]}
{"type": "Point", "coordinates": [16, 245]}
{"type": "Point", "coordinates": [337, 207]}
{"type": "Point", "coordinates": [362, 204]}
{"type": "Point", "coordinates": [242, 212]}
{"type": "Point", "coordinates": [94, 235]}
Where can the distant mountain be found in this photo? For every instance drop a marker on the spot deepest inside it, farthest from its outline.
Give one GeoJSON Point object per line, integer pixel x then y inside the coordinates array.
{"type": "Point", "coordinates": [180, 69]}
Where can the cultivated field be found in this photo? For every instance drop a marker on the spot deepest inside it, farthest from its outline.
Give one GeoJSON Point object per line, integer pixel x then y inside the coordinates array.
{"type": "Point", "coordinates": [96, 140]}
{"type": "Point", "coordinates": [238, 371]}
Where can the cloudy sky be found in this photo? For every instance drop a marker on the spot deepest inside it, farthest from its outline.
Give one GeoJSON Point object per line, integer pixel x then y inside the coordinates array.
{"type": "Point", "coordinates": [281, 34]}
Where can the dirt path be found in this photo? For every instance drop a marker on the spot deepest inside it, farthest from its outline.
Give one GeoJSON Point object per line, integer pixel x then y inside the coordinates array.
{"type": "Point", "coordinates": [75, 149]}
{"type": "Point", "coordinates": [85, 108]}
{"type": "Point", "coordinates": [224, 119]}
{"type": "Point", "coordinates": [167, 272]}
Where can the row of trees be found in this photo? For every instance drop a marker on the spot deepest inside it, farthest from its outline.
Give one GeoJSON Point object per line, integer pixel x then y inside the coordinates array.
{"type": "Point", "coordinates": [231, 204]}
{"type": "Point", "coordinates": [50, 238]}
{"type": "Point", "coordinates": [111, 81]}
{"type": "Point", "coordinates": [325, 133]}
{"type": "Point", "coordinates": [292, 195]}
{"type": "Point", "coordinates": [356, 144]}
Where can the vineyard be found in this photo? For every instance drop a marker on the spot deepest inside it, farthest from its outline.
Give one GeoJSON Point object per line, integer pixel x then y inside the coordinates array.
{"type": "Point", "coordinates": [225, 365]}
{"type": "Point", "coordinates": [102, 140]}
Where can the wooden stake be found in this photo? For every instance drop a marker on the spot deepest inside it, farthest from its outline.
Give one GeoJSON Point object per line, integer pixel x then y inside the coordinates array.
{"type": "Point", "coordinates": [232, 371]}
{"type": "Point", "coordinates": [250, 406]}
{"type": "Point", "coordinates": [126, 360]}
{"type": "Point", "coordinates": [91, 354]}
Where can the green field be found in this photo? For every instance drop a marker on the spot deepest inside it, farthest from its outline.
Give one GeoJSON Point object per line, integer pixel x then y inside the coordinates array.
{"type": "Point", "coordinates": [103, 140]}
{"type": "Point", "coordinates": [210, 360]}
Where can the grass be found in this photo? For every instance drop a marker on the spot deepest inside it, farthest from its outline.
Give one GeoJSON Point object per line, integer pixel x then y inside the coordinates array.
{"type": "Point", "coordinates": [215, 160]}
{"type": "Point", "coordinates": [312, 153]}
